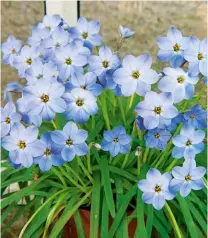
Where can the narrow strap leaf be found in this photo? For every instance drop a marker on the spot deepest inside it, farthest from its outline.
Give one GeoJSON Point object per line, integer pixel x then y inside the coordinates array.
{"type": "Point", "coordinates": [150, 216]}
{"type": "Point", "coordinates": [79, 224]}
{"type": "Point", "coordinates": [104, 219]}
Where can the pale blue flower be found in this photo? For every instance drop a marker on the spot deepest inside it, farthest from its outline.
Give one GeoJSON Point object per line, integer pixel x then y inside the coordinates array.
{"type": "Point", "coordinates": [116, 141]}
{"type": "Point", "coordinates": [155, 188]}
{"type": "Point", "coordinates": [23, 145]}
{"type": "Point", "coordinates": [196, 117]}
{"type": "Point", "coordinates": [140, 123]}
{"type": "Point", "coordinates": [10, 48]}
{"type": "Point", "coordinates": [8, 118]}
{"type": "Point", "coordinates": [172, 47]}
{"type": "Point", "coordinates": [196, 55]}
{"type": "Point", "coordinates": [174, 122]}
{"type": "Point", "coordinates": [48, 159]}
{"type": "Point", "coordinates": [80, 105]}
{"type": "Point", "coordinates": [86, 82]}
{"type": "Point", "coordinates": [50, 22]}
{"type": "Point", "coordinates": [105, 61]}
{"type": "Point", "coordinates": [157, 138]}
{"type": "Point", "coordinates": [179, 83]}
{"type": "Point", "coordinates": [70, 59]}
{"type": "Point", "coordinates": [25, 58]}
{"type": "Point", "coordinates": [44, 98]}
{"type": "Point", "coordinates": [87, 32]}
{"type": "Point", "coordinates": [187, 178]}
{"type": "Point", "coordinates": [188, 143]}
{"type": "Point", "coordinates": [125, 32]}
{"type": "Point", "coordinates": [69, 142]}
{"type": "Point", "coordinates": [135, 76]}
{"type": "Point", "coordinates": [38, 70]}
{"type": "Point", "coordinates": [156, 109]}
{"type": "Point", "coordinates": [13, 87]}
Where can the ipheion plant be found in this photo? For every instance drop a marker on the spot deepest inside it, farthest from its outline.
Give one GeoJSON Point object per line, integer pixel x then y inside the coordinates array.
{"type": "Point", "coordinates": [70, 74]}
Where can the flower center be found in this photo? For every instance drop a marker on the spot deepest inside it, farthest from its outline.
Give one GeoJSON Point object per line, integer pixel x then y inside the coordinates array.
{"type": "Point", "coordinates": [188, 177]}
{"type": "Point", "coordinates": [200, 56]}
{"type": "Point", "coordinates": [69, 142]}
{"type": "Point", "coordinates": [47, 152]}
{"type": "Point", "coordinates": [176, 47]}
{"type": "Point", "coordinates": [84, 87]}
{"type": "Point", "coordinates": [39, 76]}
{"type": "Point", "coordinates": [57, 44]}
{"type": "Point", "coordinates": [158, 110]}
{"type": "Point", "coordinates": [157, 188]}
{"type": "Point", "coordinates": [28, 61]}
{"type": "Point", "coordinates": [44, 98]}
{"type": "Point", "coordinates": [13, 50]}
{"type": "Point", "coordinates": [7, 120]}
{"type": "Point", "coordinates": [181, 79]}
{"type": "Point", "coordinates": [79, 102]}
{"type": "Point", "coordinates": [157, 135]}
{"type": "Point", "coordinates": [48, 27]}
{"type": "Point", "coordinates": [188, 143]}
{"type": "Point", "coordinates": [21, 144]}
{"type": "Point", "coordinates": [105, 64]}
{"type": "Point", "coordinates": [98, 81]}
{"type": "Point", "coordinates": [85, 35]}
{"type": "Point", "coordinates": [115, 140]}
{"type": "Point", "coordinates": [68, 61]}
{"type": "Point", "coordinates": [136, 75]}
{"type": "Point", "coordinates": [192, 116]}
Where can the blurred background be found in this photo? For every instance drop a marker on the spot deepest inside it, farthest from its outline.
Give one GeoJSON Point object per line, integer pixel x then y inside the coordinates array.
{"type": "Point", "coordinates": [148, 19]}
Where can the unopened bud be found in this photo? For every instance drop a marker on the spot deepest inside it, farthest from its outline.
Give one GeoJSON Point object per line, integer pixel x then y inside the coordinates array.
{"type": "Point", "coordinates": [205, 140]}
{"type": "Point", "coordinates": [138, 151]}
{"type": "Point", "coordinates": [96, 146]}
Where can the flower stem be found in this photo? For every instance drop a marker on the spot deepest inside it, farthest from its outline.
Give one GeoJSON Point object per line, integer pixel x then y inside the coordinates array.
{"type": "Point", "coordinates": [131, 101]}
{"type": "Point", "coordinates": [54, 124]}
{"type": "Point", "coordinates": [125, 160]}
{"type": "Point", "coordinates": [122, 110]}
{"type": "Point", "coordinates": [89, 161]}
{"type": "Point", "coordinates": [105, 111]}
{"type": "Point", "coordinates": [56, 172]}
{"type": "Point", "coordinates": [145, 155]}
{"type": "Point", "coordinates": [174, 223]}
{"type": "Point", "coordinates": [84, 169]}
{"type": "Point", "coordinates": [69, 169]}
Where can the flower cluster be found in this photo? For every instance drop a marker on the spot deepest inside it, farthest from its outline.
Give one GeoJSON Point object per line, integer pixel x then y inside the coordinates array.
{"type": "Point", "coordinates": [66, 69]}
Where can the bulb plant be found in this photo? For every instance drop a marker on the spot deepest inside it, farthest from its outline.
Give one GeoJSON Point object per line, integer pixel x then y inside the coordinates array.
{"type": "Point", "coordinates": [92, 130]}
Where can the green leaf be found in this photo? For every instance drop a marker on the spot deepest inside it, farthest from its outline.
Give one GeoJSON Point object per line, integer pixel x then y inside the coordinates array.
{"type": "Point", "coordinates": [187, 216]}
{"type": "Point", "coordinates": [140, 216]}
{"type": "Point", "coordinates": [150, 217]}
{"type": "Point", "coordinates": [79, 224]}
{"type": "Point", "coordinates": [122, 211]}
{"type": "Point", "coordinates": [107, 185]}
{"type": "Point", "coordinates": [104, 219]}
{"type": "Point", "coordinates": [68, 213]}
{"type": "Point", "coordinates": [95, 206]}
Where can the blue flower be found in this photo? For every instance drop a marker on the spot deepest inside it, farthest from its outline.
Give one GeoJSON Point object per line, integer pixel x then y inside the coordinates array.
{"type": "Point", "coordinates": [44, 98]}
{"type": "Point", "coordinates": [87, 31]}
{"type": "Point", "coordinates": [59, 38]}
{"type": "Point", "coordinates": [38, 37]}
{"type": "Point", "coordinates": [179, 83]}
{"type": "Point", "coordinates": [106, 60]}
{"type": "Point", "coordinates": [24, 60]}
{"type": "Point", "coordinates": [172, 47]}
{"type": "Point", "coordinates": [196, 55]}
{"type": "Point", "coordinates": [205, 81]}
{"type": "Point", "coordinates": [86, 82]}
{"type": "Point", "coordinates": [125, 32]}
{"type": "Point", "coordinates": [157, 138]}
{"type": "Point", "coordinates": [136, 75]}
{"type": "Point", "coordinates": [10, 48]}
{"type": "Point", "coordinates": [196, 117]}
{"type": "Point", "coordinates": [69, 142]}
{"type": "Point", "coordinates": [10, 88]}
{"type": "Point", "coordinates": [70, 59]}
{"type": "Point", "coordinates": [156, 109]}
{"type": "Point", "coordinates": [50, 22]}
{"type": "Point", "coordinates": [188, 143]}
{"type": "Point", "coordinates": [156, 188]}
{"type": "Point", "coordinates": [48, 159]}
{"type": "Point", "coordinates": [187, 178]}
{"type": "Point", "coordinates": [80, 105]}
{"type": "Point", "coordinates": [116, 141]}
{"type": "Point", "coordinates": [38, 70]}
{"type": "Point", "coordinates": [174, 122]}
{"type": "Point", "coordinates": [23, 145]}
{"type": "Point", "coordinates": [8, 118]}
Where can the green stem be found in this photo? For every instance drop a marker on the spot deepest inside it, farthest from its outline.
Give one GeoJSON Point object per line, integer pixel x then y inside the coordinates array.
{"type": "Point", "coordinates": [84, 169]}
{"type": "Point", "coordinates": [131, 101]}
{"type": "Point", "coordinates": [125, 160]}
{"type": "Point", "coordinates": [105, 111]}
{"type": "Point", "coordinates": [122, 110]}
{"type": "Point", "coordinates": [144, 158]}
{"type": "Point", "coordinates": [54, 124]}
{"type": "Point", "coordinates": [93, 121]}
{"type": "Point", "coordinates": [89, 161]}
{"type": "Point", "coordinates": [57, 173]}
{"type": "Point", "coordinates": [174, 223]}
{"type": "Point", "coordinates": [171, 165]}
{"type": "Point", "coordinates": [69, 169]}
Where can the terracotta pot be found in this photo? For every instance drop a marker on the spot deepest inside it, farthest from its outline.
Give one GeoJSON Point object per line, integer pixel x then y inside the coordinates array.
{"type": "Point", "coordinates": [70, 230]}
